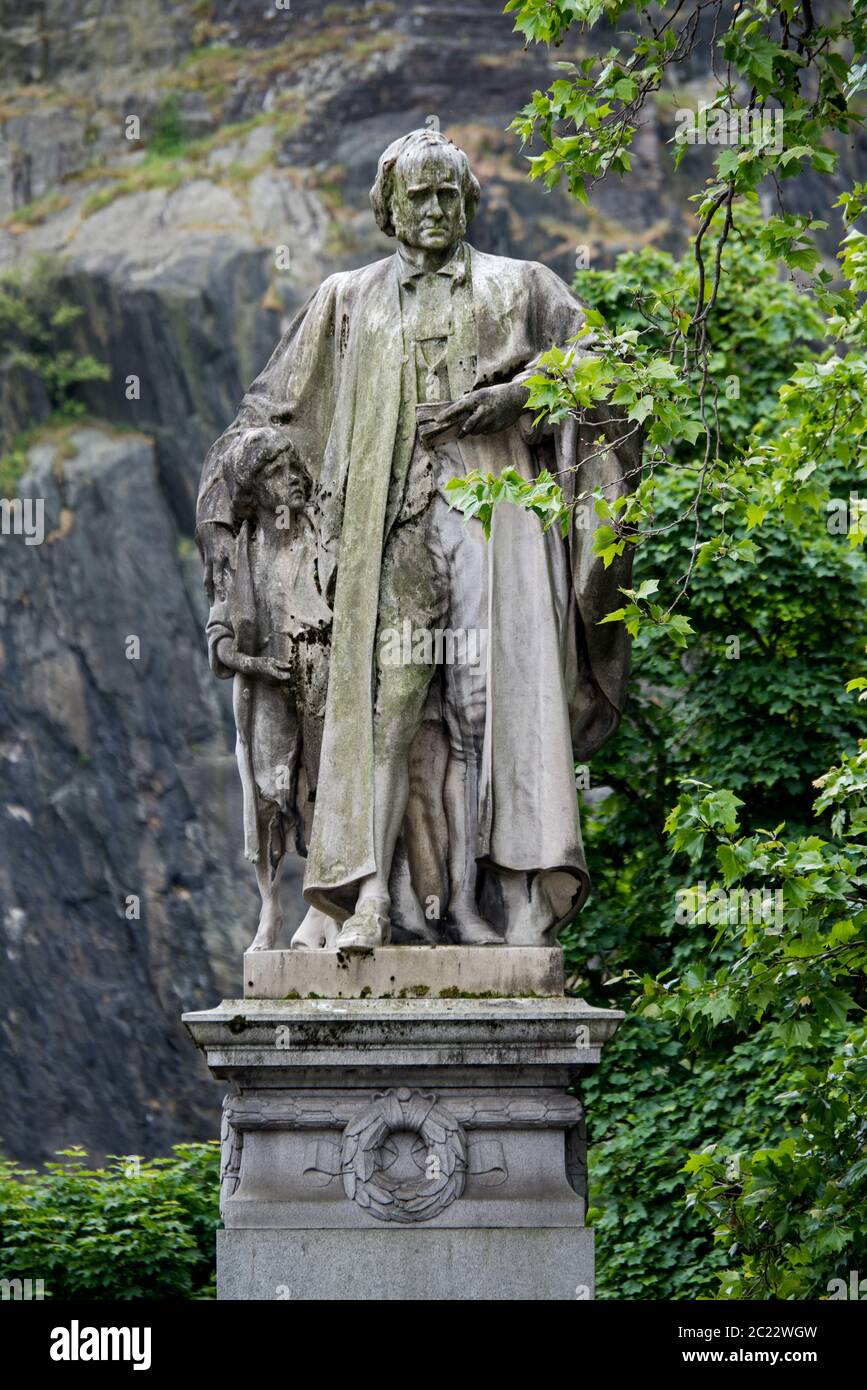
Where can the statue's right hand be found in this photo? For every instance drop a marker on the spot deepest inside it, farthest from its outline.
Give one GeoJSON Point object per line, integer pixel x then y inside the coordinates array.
{"type": "Point", "coordinates": [274, 669]}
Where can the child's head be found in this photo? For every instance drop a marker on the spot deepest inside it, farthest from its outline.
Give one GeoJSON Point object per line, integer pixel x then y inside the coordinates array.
{"type": "Point", "coordinates": [260, 483]}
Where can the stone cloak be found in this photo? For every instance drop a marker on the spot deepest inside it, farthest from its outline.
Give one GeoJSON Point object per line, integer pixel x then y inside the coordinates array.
{"type": "Point", "coordinates": [337, 392]}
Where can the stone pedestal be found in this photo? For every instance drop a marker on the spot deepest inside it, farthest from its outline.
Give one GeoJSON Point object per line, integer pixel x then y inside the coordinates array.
{"type": "Point", "coordinates": [424, 1145]}
{"type": "Point", "coordinates": [441, 972]}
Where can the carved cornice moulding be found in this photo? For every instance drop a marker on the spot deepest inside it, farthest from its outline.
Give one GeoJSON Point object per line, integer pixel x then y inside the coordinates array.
{"type": "Point", "coordinates": [487, 1110]}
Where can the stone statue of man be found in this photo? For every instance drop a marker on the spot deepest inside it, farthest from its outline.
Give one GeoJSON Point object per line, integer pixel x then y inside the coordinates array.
{"type": "Point", "coordinates": [429, 690]}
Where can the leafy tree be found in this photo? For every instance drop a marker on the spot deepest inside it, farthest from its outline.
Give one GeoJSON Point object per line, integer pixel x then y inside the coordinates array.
{"type": "Point", "coordinates": [743, 364]}
{"type": "Point", "coordinates": [763, 716]}
{"type": "Point", "coordinates": [785, 82]}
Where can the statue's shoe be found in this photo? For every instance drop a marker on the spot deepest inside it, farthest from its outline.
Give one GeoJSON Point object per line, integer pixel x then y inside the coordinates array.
{"type": "Point", "coordinates": [475, 931]}
{"type": "Point", "coordinates": [316, 933]}
{"type": "Point", "coordinates": [366, 929]}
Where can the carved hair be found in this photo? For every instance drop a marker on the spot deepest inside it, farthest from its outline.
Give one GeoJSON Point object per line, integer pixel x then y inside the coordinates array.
{"type": "Point", "coordinates": [246, 466]}
{"type": "Point", "coordinates": [383, 187]}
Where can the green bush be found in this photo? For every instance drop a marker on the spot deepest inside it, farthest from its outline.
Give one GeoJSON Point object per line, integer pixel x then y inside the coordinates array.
{"type": "Point", "coordinates": [139, 1229]}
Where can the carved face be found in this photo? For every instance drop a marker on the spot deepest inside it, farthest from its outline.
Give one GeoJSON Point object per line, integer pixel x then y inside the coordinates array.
{"type": "Point", "coordinates": [277, 485]}
{"type": "Point", "coordinates": [427, 206]}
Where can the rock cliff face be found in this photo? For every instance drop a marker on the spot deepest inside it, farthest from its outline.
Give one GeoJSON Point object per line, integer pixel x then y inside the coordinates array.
{"type": "Point", "coordinates": [120, 904]}
{"type": "Point", "coordinates": [190, 172]}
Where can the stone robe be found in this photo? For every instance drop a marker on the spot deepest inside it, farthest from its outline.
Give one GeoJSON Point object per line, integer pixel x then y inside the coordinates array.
{"type": "Point", "coordinates": [340, 388]}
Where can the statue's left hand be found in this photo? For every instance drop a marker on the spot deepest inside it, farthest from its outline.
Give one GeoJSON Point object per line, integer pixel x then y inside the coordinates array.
{"type": "Point", "coordinates": [486, 411]}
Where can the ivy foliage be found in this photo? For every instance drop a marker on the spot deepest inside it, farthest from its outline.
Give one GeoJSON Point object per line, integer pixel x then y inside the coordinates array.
{"type": "Point", "coordinates": [792, 1211]}
{"type": "Point", "coordinates": [653, 1103]}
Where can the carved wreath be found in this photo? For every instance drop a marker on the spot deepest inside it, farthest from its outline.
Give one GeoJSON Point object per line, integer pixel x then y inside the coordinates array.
{"type": "Point", "coordinates": [440, 1152]}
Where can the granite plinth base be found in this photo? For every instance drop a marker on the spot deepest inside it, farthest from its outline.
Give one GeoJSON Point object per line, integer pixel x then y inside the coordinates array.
{"type": "Point", "coordinates": [403, 1148]}
{"type": "Point", "coordinates": [488, 1264]}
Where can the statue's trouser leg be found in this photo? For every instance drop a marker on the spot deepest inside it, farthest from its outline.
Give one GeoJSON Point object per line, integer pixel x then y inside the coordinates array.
{"type": "Point", "coordinates": [464, 698]}
{"type": "Point", "coordinates": [401, 695]}
{"type": "Point", "coordinates": [412, 588]}
{"type": "Point", "coordinates": [420, 883]}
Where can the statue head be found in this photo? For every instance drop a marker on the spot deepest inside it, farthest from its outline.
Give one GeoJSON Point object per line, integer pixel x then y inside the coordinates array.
{"type": "Point", "coordinates": [261, 483]}
{"type": "Point", "coordinates": [425, 192]}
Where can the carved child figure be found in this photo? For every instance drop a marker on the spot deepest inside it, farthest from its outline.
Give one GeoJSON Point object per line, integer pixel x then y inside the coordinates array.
{"type": "Point", "coordinates": [268, 629]}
